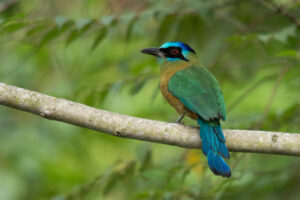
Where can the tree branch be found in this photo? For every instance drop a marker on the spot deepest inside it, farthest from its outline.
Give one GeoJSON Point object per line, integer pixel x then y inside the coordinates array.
{"type": "Point", "coordinates": [143, 129]}
{"type": "Point", "coordinates": [282, 11]}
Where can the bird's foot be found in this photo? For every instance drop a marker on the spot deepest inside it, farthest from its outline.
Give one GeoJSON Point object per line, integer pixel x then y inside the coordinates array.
{"type": "Point", "coordinates": [180, 118]}
{"type": "Point", "coordinates": [182, 123]}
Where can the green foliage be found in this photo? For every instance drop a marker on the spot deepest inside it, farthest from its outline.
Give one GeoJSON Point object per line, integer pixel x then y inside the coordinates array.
{"type": "Point", "coordinates": [88, 51]}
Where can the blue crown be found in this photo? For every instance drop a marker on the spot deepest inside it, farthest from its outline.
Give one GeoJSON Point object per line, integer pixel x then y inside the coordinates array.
{"type": "Point", "coordinates": [182, 45]}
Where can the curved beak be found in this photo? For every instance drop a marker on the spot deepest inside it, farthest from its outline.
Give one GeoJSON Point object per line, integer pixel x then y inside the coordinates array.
{"type": "Point", "coordinates": [153, 51]}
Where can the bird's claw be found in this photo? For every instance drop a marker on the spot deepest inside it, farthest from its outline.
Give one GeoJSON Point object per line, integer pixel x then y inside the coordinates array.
{"type": "Point", "coordinates": [180, 118]}
{"type": "Point", "coordinates": [178, 122]}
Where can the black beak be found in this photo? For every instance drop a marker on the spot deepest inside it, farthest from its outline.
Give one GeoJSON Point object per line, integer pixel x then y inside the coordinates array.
{"type": "Point", "coordinates": [153, 51]}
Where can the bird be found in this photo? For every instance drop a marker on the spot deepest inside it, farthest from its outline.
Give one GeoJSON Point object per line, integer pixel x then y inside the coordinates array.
{"type": "Point", "coordinates": [194, 91]}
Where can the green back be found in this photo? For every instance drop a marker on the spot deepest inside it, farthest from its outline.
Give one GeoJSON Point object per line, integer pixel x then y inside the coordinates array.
{"type": "Point", "coordinates": [199, 91]}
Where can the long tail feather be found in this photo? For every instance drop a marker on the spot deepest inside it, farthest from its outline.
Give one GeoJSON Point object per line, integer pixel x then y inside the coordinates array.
{"type": "Point", "coordinates": [213, 146]}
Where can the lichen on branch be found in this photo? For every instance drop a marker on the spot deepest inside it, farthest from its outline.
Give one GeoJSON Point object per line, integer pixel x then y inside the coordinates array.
{"type": "Point", "coordinates": [142, 129]}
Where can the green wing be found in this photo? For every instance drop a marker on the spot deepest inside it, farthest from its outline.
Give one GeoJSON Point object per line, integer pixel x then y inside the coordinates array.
{"type": "Point", "coordinates": [199, 91]}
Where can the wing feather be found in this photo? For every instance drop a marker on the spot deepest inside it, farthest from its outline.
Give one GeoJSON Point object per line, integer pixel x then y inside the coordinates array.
{"type": "Point", "coordinates": [199, 91]}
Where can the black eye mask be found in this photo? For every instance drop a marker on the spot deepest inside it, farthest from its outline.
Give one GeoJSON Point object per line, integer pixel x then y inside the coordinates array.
{"type": "Point", "coordinates": [173, 52]}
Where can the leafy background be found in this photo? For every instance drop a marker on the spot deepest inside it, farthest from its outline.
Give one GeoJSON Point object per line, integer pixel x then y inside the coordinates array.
{"type": "Point", "coordinates": [88, 51]}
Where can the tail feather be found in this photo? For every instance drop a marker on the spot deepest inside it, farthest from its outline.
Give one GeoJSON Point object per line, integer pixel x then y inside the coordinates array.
{"type": "Point", "coordinates": [217, 164]}
{"type": "Point", "coordinates": [213, 146]}
{"type": "Point", "coordinates": [219, 133]}
{"type": "Point", "coordinates": [206, 146]}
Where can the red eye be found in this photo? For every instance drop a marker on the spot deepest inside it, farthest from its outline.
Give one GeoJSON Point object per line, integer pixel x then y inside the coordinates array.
{"type": "Point", "coordinates": [174, 51]}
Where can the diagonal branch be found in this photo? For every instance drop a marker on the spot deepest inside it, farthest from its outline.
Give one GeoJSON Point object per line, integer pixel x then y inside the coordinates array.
{"type": "Point", "coordinates": [142, 129]}
{"type": "Point", "coordinates": [281, 10]}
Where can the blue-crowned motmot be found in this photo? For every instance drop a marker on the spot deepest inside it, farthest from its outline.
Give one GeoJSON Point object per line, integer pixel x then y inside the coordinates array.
{"type": "Point", "coordinates": [192, 90]}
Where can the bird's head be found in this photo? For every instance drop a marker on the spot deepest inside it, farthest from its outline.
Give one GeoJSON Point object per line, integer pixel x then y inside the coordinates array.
{"type": "Point", "coordinates": [171, 51]}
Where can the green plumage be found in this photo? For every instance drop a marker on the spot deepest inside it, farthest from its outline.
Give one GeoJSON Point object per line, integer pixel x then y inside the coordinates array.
{"type": "Point", "coordinates": [193, 90]}
{"type": "Point", "coordinates": [200, 92]}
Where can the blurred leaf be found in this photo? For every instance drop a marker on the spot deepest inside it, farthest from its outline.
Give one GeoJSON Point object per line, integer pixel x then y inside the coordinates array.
{"type": "Point", "coordinates": [1, 22]}
{"type": "Point", "coordinates": [155, 92]}
{"type": "Point", "coordinates": [72, 36]}
{"type": "Point", "coordinates": [103, 95]}
{"type": "Point", "coordinates": [50, 35]}
{"type": "Point", "coordinates": [142, 195]}
{"type": "Point", "coordinates": [206, 11]}
{"type": "Point", "coordinates": [117, 87]}
{"type": "Point", "coordinates": [84, 24]}
{"type": "Point", "coordinates": [240, 39]}
{"type": "Point", "coordinates": [59, 28]}
{"type": "Point", "coordinates": [166, 27]}
{"type": "Point", "coordinates": [280, 35]}
{"type": "Point", "coordinates": [109, 21]}
{"type": "Point", "coordinates": [12, 26]}
{"type": "Point", "coordinates": [196, 27]}
{"type": "Point", "coordinates": [144, 155]}
{"type": "Point", "coordinates": [60, 21]}
{"type": "Point", "coordinates": [99, 37]}
{"type": "Point", "coordinates": [130, 27]}
{"type": "Point", "coordinates": [288, 53]}
{"type": "Point", "coordinates": [81, 27]}
{"type": "Point", "coordinates": [118, 175]}
{"type": "Point", "coordinates": [37, 29]}
{"type": "Point", "coordinates": [138, 85]}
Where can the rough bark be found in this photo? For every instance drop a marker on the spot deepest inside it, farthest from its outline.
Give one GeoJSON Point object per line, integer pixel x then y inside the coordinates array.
{"type": "Point", "coordinates": [143, 129]}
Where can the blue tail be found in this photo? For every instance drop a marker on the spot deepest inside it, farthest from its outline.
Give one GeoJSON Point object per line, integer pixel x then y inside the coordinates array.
{"type": "Point", "coordinates": [213, 146]}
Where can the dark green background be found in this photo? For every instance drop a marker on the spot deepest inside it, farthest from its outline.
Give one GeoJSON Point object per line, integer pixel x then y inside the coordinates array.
{"type": "Point", "coordinates": [88, 51]}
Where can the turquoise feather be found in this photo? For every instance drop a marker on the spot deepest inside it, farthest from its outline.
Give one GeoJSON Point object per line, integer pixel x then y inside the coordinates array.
{"type": "Point", "coordinates": [199, 91]}
{"type": "Point", "coordinates": [192, 89]}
